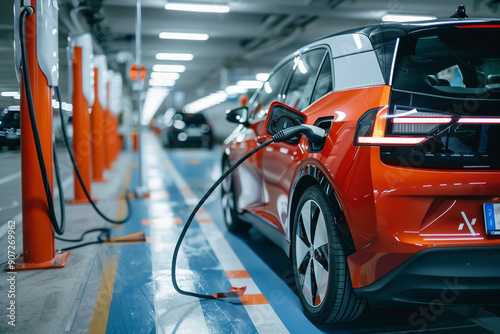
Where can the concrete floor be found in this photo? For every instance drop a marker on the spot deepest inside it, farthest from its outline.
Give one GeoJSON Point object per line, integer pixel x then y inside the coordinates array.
{"type": "Point", "coordinates": [126, 287]}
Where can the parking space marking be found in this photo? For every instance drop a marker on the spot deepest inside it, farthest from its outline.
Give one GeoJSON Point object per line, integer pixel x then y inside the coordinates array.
{"type": "Point", "coordinates": [237, 274]}
{"type": "Point", "coordinates": [18, 217]}
{"type": "Point", "coordinates": [10, 178]}
{"type": "Point", "coordinates": [256, 299]}
{"type": "Point", "coordinates": [256, 305]}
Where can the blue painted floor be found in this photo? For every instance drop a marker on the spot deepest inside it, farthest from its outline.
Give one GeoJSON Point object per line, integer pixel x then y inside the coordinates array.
{"type": "Point", "coordinates": [129, 288]}
{"type": "Point", "coordinates": [144, 301]}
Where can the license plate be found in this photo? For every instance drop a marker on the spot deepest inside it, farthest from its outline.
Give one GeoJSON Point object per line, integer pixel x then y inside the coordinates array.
{"type": "Point", "coordinates": [492, 218]}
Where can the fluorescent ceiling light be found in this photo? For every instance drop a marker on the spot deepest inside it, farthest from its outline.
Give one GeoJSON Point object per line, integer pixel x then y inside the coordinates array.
{"type": "Point", "coordinates": [174, 56]}
{"type": "Point", "coordinates": [162, 83]}
{"type": "Point", "coordinates": [235, 90]}
{"type": "Point", "coordinates": [406, 18]}
{"type": "Point", "coordinates": [165, 75]}
{"type": "Point", "coordinates": [182, 35]}
{"type": "Point", "coordinates": [249, 84]}
{"type": "Point", "coordinates": [262, 76]}
{"type": "Point", "coordinates": [169, 68]}
{"type": "Point", "coordinates": [154, 99]}
{"type": "Point", "coordinates": [191, 7]}
{"type": "Point", "coordinates": [206, 102]}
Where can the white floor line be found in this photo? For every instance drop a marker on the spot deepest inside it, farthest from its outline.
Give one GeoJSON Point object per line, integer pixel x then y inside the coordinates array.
{"type": "Point", "coordinates": [10, 178]}
{"type": "Point", "coordinates": [263, 316]}
{"type": "Point", "coordinates": [169, 304]}
{"type": "Point", "coordinates": [18, 218]}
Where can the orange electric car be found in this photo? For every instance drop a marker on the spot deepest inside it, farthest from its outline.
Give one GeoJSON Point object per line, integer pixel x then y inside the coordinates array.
{"type": "Point", "coordinates": [401, 203]}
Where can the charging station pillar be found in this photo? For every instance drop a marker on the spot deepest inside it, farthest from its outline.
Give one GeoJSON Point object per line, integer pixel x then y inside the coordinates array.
{"type": "Point", "coordinates": [108, 130]}
{"type": "Point", "coordinates": [115, 94]}
{"type": "Point", "coordinates": [116, 124]}
{"type": "Point", "coordinates": [96, 118]}
{"type": "Point", "coordinates": [83, 96]}
{"type": "Point", "coordinates": [38, 234]}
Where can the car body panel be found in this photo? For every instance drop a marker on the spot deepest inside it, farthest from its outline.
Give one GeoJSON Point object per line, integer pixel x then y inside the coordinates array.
{"type": "Point", "coordinates": [249, 184]}
{"type": "Point", "coordinates": [390, 214]}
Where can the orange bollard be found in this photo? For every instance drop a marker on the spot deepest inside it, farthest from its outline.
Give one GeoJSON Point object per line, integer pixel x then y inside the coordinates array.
{"type": "Point", "coordinates": [135, 140]}
{"type": "Point", "coordinates": [97, 137]}
{"type": "Point", "coordinates": [81, 130]}
{"type": "Point", "coordinates": [38, 235]}
{"type": "Point", "coordinates": [108, 130]}
{"type": "Point", "coordinates": [116, 137]}
{"type": "Point", "coordinates": [113, 138]}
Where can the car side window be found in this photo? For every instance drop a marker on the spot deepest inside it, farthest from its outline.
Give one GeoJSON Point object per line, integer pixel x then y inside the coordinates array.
{"type": "Point", "coordinates": [305, 69]}
{"type": "Point", "coordinates": [324, 84]}
{"type": "Point", "coordinates": [270, 92]}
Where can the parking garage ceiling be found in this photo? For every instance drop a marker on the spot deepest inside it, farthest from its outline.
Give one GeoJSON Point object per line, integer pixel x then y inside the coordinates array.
{"type": "Point", "coordinates": [250, 39]}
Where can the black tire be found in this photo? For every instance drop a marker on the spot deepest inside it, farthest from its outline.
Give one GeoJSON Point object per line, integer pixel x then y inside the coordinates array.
{"type": "Point", "coordinates": [228, 201]}
{"type": "Point", "coordinates": [320, 267]}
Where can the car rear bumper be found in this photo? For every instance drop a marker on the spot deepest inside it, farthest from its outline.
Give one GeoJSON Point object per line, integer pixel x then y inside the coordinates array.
{"type": "Point", "coordinates": [458, 275]}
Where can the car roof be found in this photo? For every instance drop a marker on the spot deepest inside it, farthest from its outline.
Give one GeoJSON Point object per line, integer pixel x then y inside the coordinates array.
{"type": "Point", "coordinates": [382, 33]}
{"type": "Point", "coordinates": [386, 32]}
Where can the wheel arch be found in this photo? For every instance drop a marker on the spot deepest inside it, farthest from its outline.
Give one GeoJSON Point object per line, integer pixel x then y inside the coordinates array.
{"type": "Point", "coordinates": [308, 175]}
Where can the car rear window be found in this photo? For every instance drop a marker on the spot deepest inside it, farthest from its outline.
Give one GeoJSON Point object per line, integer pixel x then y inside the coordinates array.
{"type": "Point", "coordinates": [451, 71]}
{"type": "Point", "coordinates": [196, 119]}
{"type": "Point", "coordinates": [458, 61]}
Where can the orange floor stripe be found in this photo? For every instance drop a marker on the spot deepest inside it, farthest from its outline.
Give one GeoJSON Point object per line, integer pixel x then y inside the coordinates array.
{"type": "Point", "coordinates": [157, 195]}
{"type": "Point", "coordinates": [237, 274]}
{"type": "Point", "coordinates": [204, 220]}
{"type": "Point", "coordinates": [161, 221]}
{"type": "Point", "coordinates": [186, 191]}
{"type": "Point", "coordinates": [253, 300]}
{"type": "Point", "coordinates": [194, 161]}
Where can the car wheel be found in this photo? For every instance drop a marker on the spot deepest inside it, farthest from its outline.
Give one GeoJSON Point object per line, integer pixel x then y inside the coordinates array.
{"type": "Point", "coordinates": [320, 266]}
{"type": "Point", "coordinates": [228, 196]}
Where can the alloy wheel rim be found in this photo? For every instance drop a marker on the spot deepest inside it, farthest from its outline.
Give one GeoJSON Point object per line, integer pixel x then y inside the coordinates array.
{"type": "Point", "coordinates": [311, 253]}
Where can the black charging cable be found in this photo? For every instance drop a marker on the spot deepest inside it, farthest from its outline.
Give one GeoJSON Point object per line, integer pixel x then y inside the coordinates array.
{"type": "Point", "coordinates": [103, 236]}
{"type": "Point", "coordinates": [79, 175]}
{"type": "Point", "coordinates": [315, 135]}
{"type": "Point", "coordinates": [58, 228]}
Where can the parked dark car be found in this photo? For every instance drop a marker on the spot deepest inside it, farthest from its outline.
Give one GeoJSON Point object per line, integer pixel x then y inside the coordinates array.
{"type": "Point", "coordinates": [187, 130]}
{"type": "Point", "coordinates": [10, 127]}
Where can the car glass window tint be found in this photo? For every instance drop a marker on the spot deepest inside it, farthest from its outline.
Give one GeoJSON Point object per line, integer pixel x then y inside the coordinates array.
{"type": "Point", "coordinates": [270, 91]}
{"type": "Point", "coordinates": [305, 68]}
{"type": "Point", "coordinates": [324, 83]}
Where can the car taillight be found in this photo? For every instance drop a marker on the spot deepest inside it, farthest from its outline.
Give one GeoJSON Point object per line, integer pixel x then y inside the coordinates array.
{"type": "Point", "coordinates": [402, 127]}
{"type": "Point", "coordinates": [407, 125]}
